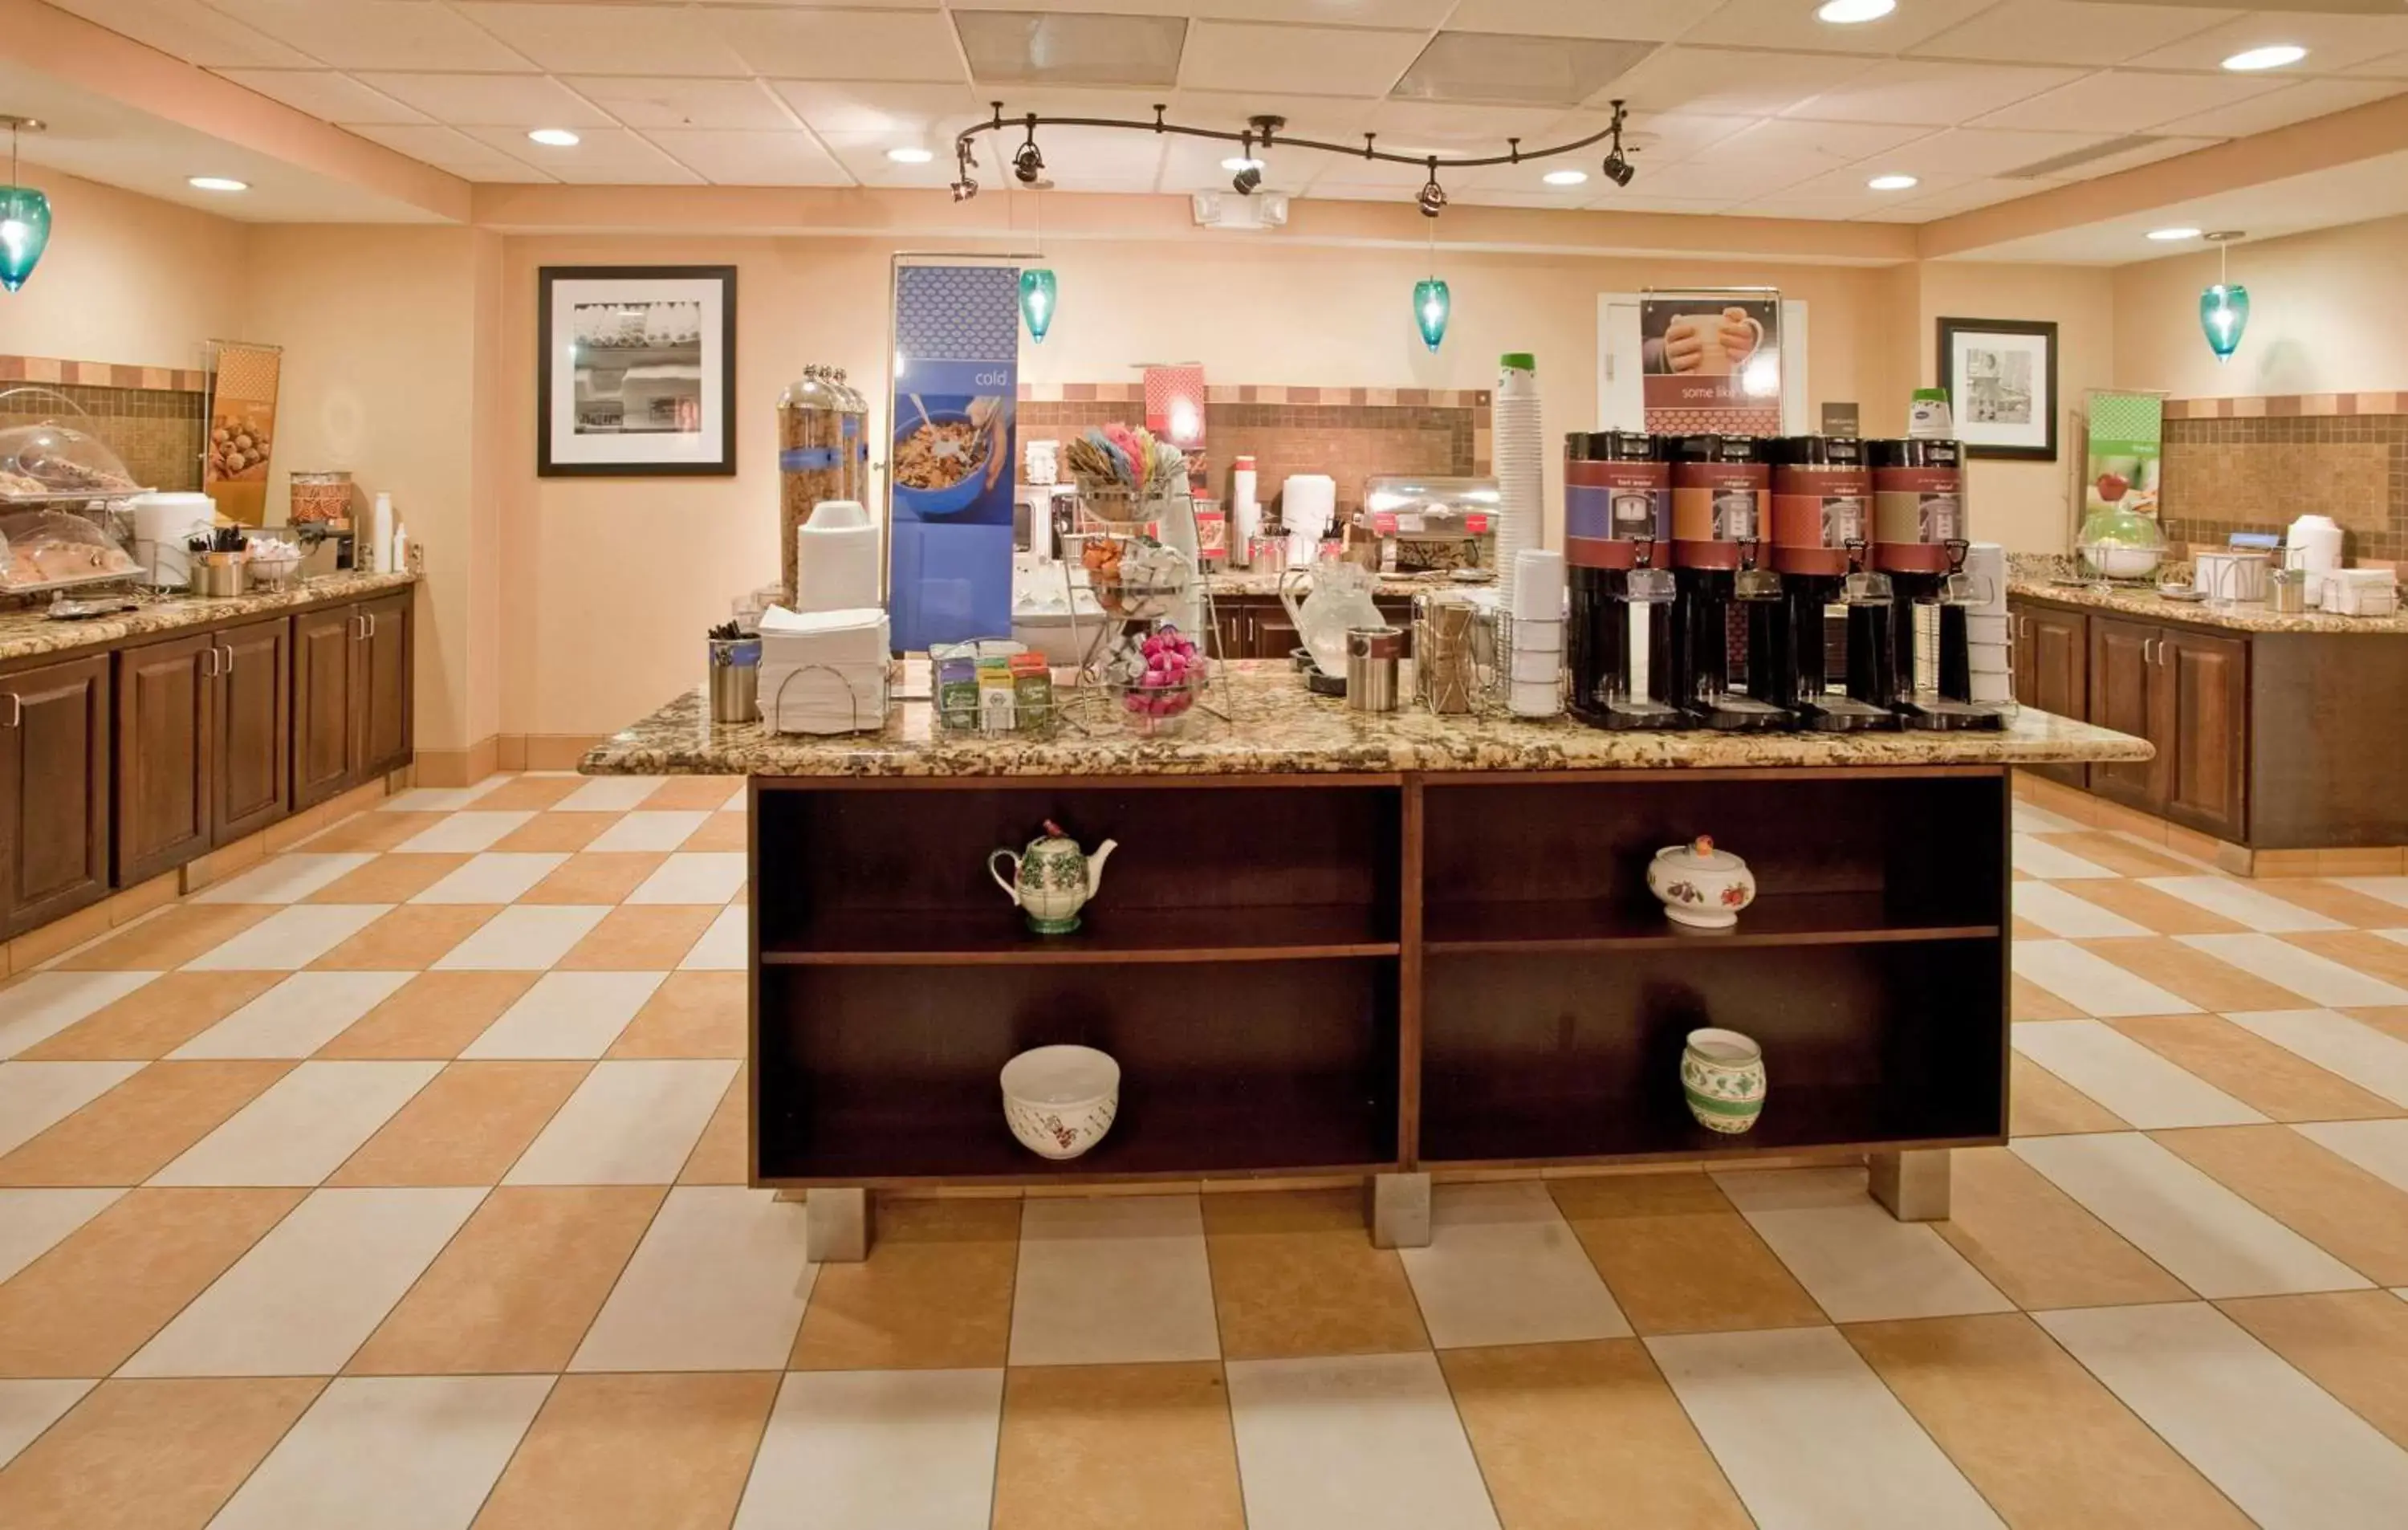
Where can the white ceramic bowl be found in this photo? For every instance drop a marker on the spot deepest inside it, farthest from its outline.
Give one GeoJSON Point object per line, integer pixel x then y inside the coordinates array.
{"type": "Point", "coordinates": [1060, 1100]}
{"type": "Point", "coordinates": [2117, 562]}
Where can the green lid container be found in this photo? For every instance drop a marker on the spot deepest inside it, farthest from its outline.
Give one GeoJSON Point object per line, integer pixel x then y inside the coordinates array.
{"type": "Point", "coordinates": [1519, 361]}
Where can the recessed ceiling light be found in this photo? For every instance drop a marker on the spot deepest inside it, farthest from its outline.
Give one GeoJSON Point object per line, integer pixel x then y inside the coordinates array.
{"type": "Point", "coordinates": [1892, 183]}
{"type": "Point", "coordinates": [1239, 162]}
{"type": "Point", "coordinates": [2170, 235]}
{"type": "Point", "coordinates": [1565, 178]}
{"type": "Point", "coordinates": [1849, 12]}
{"type": "Point", "coordinates": [555, 138]}
{"type": "Point", "coordinates": [911, 156]}
{"type": "Point", "coordinates": [2266, 58]}
{"type": "Point", "coordinates": [216, 183]}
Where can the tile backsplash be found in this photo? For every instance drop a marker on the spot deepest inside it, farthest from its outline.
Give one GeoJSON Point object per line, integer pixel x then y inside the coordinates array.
{"type": "Point", "coordinates": [2257, 472]}
{"type": "Point", "coordinates": [157, 431]}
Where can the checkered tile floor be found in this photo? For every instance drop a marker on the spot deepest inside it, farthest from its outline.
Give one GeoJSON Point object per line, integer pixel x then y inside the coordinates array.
{"type": "Point", "coordinates": [395, 1183]}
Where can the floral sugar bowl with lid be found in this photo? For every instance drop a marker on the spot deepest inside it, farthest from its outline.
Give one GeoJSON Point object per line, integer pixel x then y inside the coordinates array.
{"type": "Point", "coordinates": [1700, 886]}
{"type": "Point", "coordinates": [1053, 878]}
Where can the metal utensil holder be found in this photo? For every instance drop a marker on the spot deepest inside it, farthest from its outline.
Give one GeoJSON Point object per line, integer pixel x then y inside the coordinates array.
{"type": "Point", "coordinates": [1501, 679]}
{"type": "Point", "coordinates": [734, 679]}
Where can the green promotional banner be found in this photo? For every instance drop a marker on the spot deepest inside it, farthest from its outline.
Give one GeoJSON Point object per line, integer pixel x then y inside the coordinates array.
{"type": "Point", "coordinates": [2127, 436]}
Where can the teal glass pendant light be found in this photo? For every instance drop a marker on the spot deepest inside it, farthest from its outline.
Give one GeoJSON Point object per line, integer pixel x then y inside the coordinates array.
{"type": "Point", "coordinates": [24, 216]}
{"type": "Point", "coordinates": [2224, 308]}
{"type": "Point", "coordinates": [1037, 288]}
{"type": "Point", "coordinates": [1430, 309]}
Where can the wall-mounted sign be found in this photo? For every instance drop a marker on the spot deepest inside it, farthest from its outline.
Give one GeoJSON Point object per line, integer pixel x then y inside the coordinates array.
{"type": "Point", "coordinates": [242, 430]}
{"type": "Point", "coordinates": [1711, 361]}
{"type": "Point", "coordinates": [950, 473]}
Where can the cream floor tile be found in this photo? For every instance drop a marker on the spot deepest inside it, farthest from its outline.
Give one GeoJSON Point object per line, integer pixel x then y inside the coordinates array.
{"type": "Point", "coordinates": [309, 1291]}
{"type": "Point", "coordinates": [1102, 1447]}
{"type": "Point", "coordinates": [2060, 913]}
{"type": "Point", "coordinates": [725, 947]}
{"type": "Point", "coordinates": [371, 831]}
{"type": "Point", "coordinates": [722, 1155]}
{"type": "Point", "coordinates": [2338, 1044]}
{"type": "Point", "coordinates": [610, 794]}
{"type": "Point", "coordinates": [719, 1283]}
{"type": "Point", "coordinates": [2259, 1074]}
{"type": "Point", "coordinates": [649, 831]}
{"type": "Point", "coordinates": [297, 1017]}
{"type": "Point", "coordinates": [629, 1122]}
{"type": "Point", "coordinates": [2036, 857]}
{"type": "Point", "coordinates": [1365, 1439]}
{"type": "Point", "coordinates": [290, 939]}
{"type": "Point", "coordinates": [536, 792]}
{"type": "Point", "coordinates": [2090, 982]}
{"type": "Point", "coordinates": [2044, 1441]}
{"type": "Point", "coordinates": [464, 832]}
{"type": "Point", "coordinates": [408, 939]}
{"type": "Point", "coordinates": [2377, 954]}
{"type": "Point", "coordinates": [1857, 1261]}
{"type": "Point", "coordinates": [934, 1293]}
{"type": "Point", "coordinates": [35, 1096]}
{"type": "Point", "coordinates": [390, 1452]}
{"type": "Point", "coordinates": [522, 938]}
{"type": "Point", "coordinates": [910, 1450]}
{"type": "Point", "coordinates": [302, 1127]}
{"type": "Point", "coordinates": [2037, 1244]}
{"type": "Point", "coordinates": [2378, 1147]}
{"type": "Point", "coordinates": [167, 938]}
{"type": "Point", "coordinates": [2277, 1445]}
{"type": "Point", "coordinates": [691, 1014]}
{"type": "Point", "coordinates": [641, 938]}
{"type": "Point", "coordinates": [2318, 895]}
{"type": "Point", "coordinates": [2124, 853]}
{"type": "Point", "coordinates": [441, 799]}
{"type": "Point", "coordinates": [132, 1132]}
{"type": "Point", "coordinates": [492, 877]}
{"type": "Point", "coordinates": [634, 1453]}
{"type": "Point", "coordinates": [2342, 1209]}
{"type": "Point", "coordinates": [32, 1221]}
{"type": "Point", "coordinates": [154, 1019]}
{"type": "Point", "coordinates": [466, 1127]}
{"type": "Point", "coordinates": [693, 877]}
{"type": "Point", "coordinates": [1503, 1267]}
{"type": "Point", "coordinates": [1293, 1274]}
{"type": "Point", "coordinates": [2202, 981]}
{"type": "Point", "coordinates": [2041, 1103]}
{"type": "Point", "coordinates": [2125, 1076]}
{"type": "Point", "coordinates": [1810, 1437]}
{"type": "Point", "coordinates": [2316, 979]}
{"type": "Point", "coordinates": [2351, 1343]}
{"type": "Point", "coordinates": [1113, 1281]}
{"type": "Point", "coordinates": [567, 1015]}
{"type": "Point", "coordinates": [2388, 888]}
{"type": "Point", "coordinates": [1678, 1257]}
{"type": "Point", "coordinates": [2242, 904]}
{"type": "Point", "coordinates": [2161, 914]}
{"type": "Point", "coordinates": [434, 1014]}
{"type": "Point", "coordinates": [149, 1455]}
{"type": "Point", "coordinates": [284, 878]}
{"type": "Point", "coordinates": [2030, 818]}
{"type": "Point", "coordinates": [28, 1408]}
{"type": "Point", "coordinates": [2205, 1236]}
{"type": "Point", "coordinates": [388, 878]}
{"type": "Point", "coordinates": [43, 1005]}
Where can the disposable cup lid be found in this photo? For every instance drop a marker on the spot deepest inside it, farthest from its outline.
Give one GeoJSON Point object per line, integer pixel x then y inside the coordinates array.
{"type": "Point", "coordinates": [1518, 360]}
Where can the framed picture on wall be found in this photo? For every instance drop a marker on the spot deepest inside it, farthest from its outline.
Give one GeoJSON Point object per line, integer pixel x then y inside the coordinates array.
{"type": "Point", "coordinates": [2002, 379]}
{"type": "Point", "coordinates": [636, 370]}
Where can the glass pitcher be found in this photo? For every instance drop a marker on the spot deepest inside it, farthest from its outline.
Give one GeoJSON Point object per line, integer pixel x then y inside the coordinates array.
{"type": "Point", "coordinates": [1340, 598]}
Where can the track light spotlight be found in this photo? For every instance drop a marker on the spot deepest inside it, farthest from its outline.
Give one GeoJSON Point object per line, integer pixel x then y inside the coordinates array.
{"type": "Point", "coordinates": [1246, 180]}
{"type": "Point", "coordinates": [964, 188]}
{"type": "Point", "coordinates": [1618, 169]}
{"type": "Point", "coordinates": [1432, 200]}
{"type": "Point", "coordinates": [1027, 164]}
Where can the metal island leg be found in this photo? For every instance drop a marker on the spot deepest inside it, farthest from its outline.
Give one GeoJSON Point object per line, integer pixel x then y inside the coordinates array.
{"type": "Point", "coordinates": [1398, 1207]}
{"type": "Point", "coordinates": [1913, 1185]}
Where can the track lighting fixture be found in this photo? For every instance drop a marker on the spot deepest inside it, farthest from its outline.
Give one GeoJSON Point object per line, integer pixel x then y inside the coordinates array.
{"type": "Point", "coordinates": [1249, 170]}
{"type": "Point", "coordinates": [1432, 200]}
{"type": "Point", "coordinates": [1028, 162]}
{"type": "Point", "coordinates": [1618, 168]}
{"type": "Point", "coordinates": [964, 188]}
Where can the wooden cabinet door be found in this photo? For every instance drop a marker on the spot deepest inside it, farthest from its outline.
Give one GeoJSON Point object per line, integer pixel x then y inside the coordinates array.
{"type": "Point", "coordinates": [381, 686]}
{"type": "Point", "coordinates": [2122, 655]}
{"type": "Point", "coordinates": [325, 722]}
{"type": "Point", "coordinates": [2205, 682]}
{"type": "Point", "coordinates": [54, 798]}
{"type": "Point", "coordinates": [166, 697]}
{"type": "Point", "coordinates": [253, 759]}
{"type": "Point", "coordinates": [2056, 650]}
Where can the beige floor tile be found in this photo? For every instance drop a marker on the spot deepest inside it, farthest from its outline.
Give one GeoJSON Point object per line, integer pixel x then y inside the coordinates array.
{"type": "Point", "coordinates": [707, 793]}
{"type": "Point", "coordinates": [720, 1284]}
{"type": "Point", "coordinates": [97, 1296]}
{"type": "Point", "coordinates": [720, 1154]}
{"type": "Point", "coordinates": [2153, 908]}
{"type": "Point", "coordinates": [170, 939]}
{"type": "Point", "coordinates": [2029, 1000]}
{"type": "Point", "coordinates": [137, 1128]}
{"type": "Point", "coordinates": [2361, 951]}
{"type": "Point", "coordinates": [407, 939]}
{"type": "Point", "coordinates": [529, 793]}
{"type": "Point", "coordinates": [935, 1292]}
{"type": "Point", "coordinates": [692, 1014]}
{"type": "Point", "coordinates": [2390, 1019]}
{"type": "Point", "coordinates": [720, 831]}
{"type": "Point", "coordinates": [2041, 1103]}
{"type": "Point", "coordinates": [155, 1019]}
{"type": "Point", "coordinates": [557, 832]}
{"type": "Point", "coordinates": [595, 876]}
{"type": "Point", "coordinates": [434, 1014]}
{"type": "Point", "coordinates": [1586, 1436]}
{"type": "Point", "coordinates": [2274, 1080]}
{"type": "Point", "coordinates": [517, 1286]}
{"type": "Point", "coordinates": [901, 1450]}
{"type": "Point", "coordinates": [1678, 1257]}
{"type": "Point", "coordinates": [650, 939]}
{"type": "Point", "coordinates": [2351, 1343]}
{"type": "Point", "coordinates": [2037, 1244]}
{"type": "Point", "coordinates": [2118, 854]}
{"type": "Point", "coordinates": [466, 1127]}
{"type": "Point", "coordinates": [2024, 929]}
{"type": "Point", "coordinates": [1293, 1274]}
{"type": "Point", "coordinates": [1109, 1447]}
{"type": "Point", "coordinates": [149, 1454]}
{"type": "Point", "coordinates": [2316, 1193]}
{"type": "Point", "coordinates": [374, 831]}
{"type": "Point", "coordinates": [389, 879]}
{"type": "Point", "coordinates": [2357, 909]}
{"type": "Point", "coordinates": [2048, 1446]}
{"type": "Point", "coordinates": [654, 1452]}
{"type": "Point", "coordinates": [2195, 976]}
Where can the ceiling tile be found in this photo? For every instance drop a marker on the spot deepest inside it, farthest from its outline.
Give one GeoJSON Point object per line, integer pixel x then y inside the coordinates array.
{"type": "Point", "coordinates": [1365, 174]}
{"type": "Point", "coordinates": [1790, 24]}
{"type": "Point", "coordinates": [324, 94]}
{"type": "Point", "coordinates": [2389, 66]}
{"type": "Point", "coordinates": [607, 39]}
{"type": "Point", "coordinates": [1423, 14]}
{"type": "Point", "coordinates": [448, 148]}
{"type": "Point", "coordinates": [2069, 32]}
{"type": "Point", "coordinates": [1962, 197]}
{"type": "Point", "coordinates": [1331, 118]}
{"type": "Point", "coordinates": [863, 156]}
{"type": "Point", "coordinates": [1626, 199]}
{"type": "Point", "coordinates": [2129, 101]}
{"type": "Point", "coordinates": [520, 101]}
{"type": "Point", "coordinates": [376, 34]}
{"type": "Point", "coordinates": [1849, 185]}
{"type": "Point", "coordinates": [847, 45]}
{"type": "Point", "coordinates": [792, 158]}
{"type": "Point", "coordinates": [1730, 83]}
{"type": "Point", "coordinates": [1646, 20]}
{"type": "Point", "coordinates": [1930, 93]}
{"type": "Point", "coordinates": [1411, 127]}
{"type": "Point", "coordinates": [1036, 47]}
{"type": "Point", "coordinates": [1813, 146]}
{"type": "Point", "coordinates": [1527, 184]}
{"type": "Point", "coordinates": [2148, 154]}
{"type": "Point", "coordinates": [647, 103]}
{"type": "Point", "coordinates": [1727, 179]}
{"type": "Point", "coordinates": [2282, 107]}
{"type": "Point", "coordinates": [1496, 69]}
{"type": "Point", "coordinates": [2334, 43]}
{"type": "Point", "coordinates": [1970, 152]}
{"type": "Point", "coordinates": [1313, 60]}
{"type": "Point", "coordinates": [1822, 210]}
{"type": "Point", "coordinates": [609, 156]}
{"type": "Point", "coordinates": [1086, 159]}
{"type": "Point", "coordinates": [828, 105]}
{"type": "Point", "coordinates": [194, 33]}
{"type": "Point", "coordinates": [1657, 137]}
{"type": "Point", "coordinates": [1194, 165]}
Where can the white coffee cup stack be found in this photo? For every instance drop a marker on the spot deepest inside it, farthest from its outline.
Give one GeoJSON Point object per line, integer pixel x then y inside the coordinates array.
{"type": "Point", "coordinates": [1536, 606]}
{"type": "Point", "coordinates": [1521, 466]}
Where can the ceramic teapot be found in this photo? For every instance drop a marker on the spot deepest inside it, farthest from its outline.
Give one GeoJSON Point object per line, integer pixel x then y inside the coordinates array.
{"type": "Point", "coordinates": [1053, 878]}
{"type": "Point", "coordinates": [1340, 598]}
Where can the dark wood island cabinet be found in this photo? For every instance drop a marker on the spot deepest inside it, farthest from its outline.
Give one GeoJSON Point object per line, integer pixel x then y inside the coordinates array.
{"type": "Point", "coordinates": [54, 789]}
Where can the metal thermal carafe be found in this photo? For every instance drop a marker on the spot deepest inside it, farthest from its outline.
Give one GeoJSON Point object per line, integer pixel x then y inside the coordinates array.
{"type": "Point", "coordinates": [1822, 510]}
{"type": "Point", "coordinates": [1720, 487]}
{"type": "Point", "coordinates": [1617, 520]}
{"type": "Point", "coordinates": [1919, 540]}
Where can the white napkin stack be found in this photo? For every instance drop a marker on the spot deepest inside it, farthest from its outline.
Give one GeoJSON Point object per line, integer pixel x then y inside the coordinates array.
{"type": "Point", "coordinates": [824, 671]}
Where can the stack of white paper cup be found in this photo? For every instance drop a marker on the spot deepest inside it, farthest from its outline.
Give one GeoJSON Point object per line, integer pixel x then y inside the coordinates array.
{"type": "Point", "coordinates": [1537, 607]}
{"type": "Point", "coordinates": [1520, 463]}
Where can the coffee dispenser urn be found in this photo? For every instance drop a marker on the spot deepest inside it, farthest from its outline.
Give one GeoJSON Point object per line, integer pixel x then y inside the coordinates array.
{"type": "Point", "coordinates": [1617, 522]}
{"type": "Point", "coordinates": [1919, 540]}
{"type": "Point", "coordinates": [1722, 598]}
{"type": "Point", "coordinates": [1821, 508]}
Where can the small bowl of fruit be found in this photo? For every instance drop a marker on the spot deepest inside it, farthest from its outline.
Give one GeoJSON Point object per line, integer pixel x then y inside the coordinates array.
{"type": "Point", "coordinates": [1155, 688]}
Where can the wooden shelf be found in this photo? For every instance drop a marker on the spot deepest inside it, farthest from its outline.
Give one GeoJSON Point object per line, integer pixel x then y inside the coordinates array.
{"type": "Point", "coordinates": [1000, 938]}
{"type": "Point", "coordinates": [1802, 919]}
{"type": "Point", "coordinates": [1637, 1128]}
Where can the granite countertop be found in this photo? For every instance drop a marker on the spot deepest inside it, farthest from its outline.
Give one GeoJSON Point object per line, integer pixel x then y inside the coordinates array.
{"type": "Point", "coordinates": [1265, 581]}
{"type": "Point", "coordinates": [1277, 727]}
{"type": "Point", "coordinates": [29, 633]}
{"type": "Point", "coordinates": [2132, 600]}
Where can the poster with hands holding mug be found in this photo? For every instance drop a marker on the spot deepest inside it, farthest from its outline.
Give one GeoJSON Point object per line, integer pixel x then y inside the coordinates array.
{"type": "Point", "coordinates": [1712, 361]}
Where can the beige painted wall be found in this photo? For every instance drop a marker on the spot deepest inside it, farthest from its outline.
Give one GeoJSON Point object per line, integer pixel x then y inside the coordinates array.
{"type": "Point", "coordinates": [2328, 313]}
{"type": "Point", "coordinates": [127, 278]}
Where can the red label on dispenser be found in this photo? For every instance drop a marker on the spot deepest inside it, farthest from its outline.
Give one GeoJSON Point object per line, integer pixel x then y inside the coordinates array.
{"type": "Point", "coordinates": [1818, 512]}
{"type": "Point", "coordinates": [1609, 505]}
